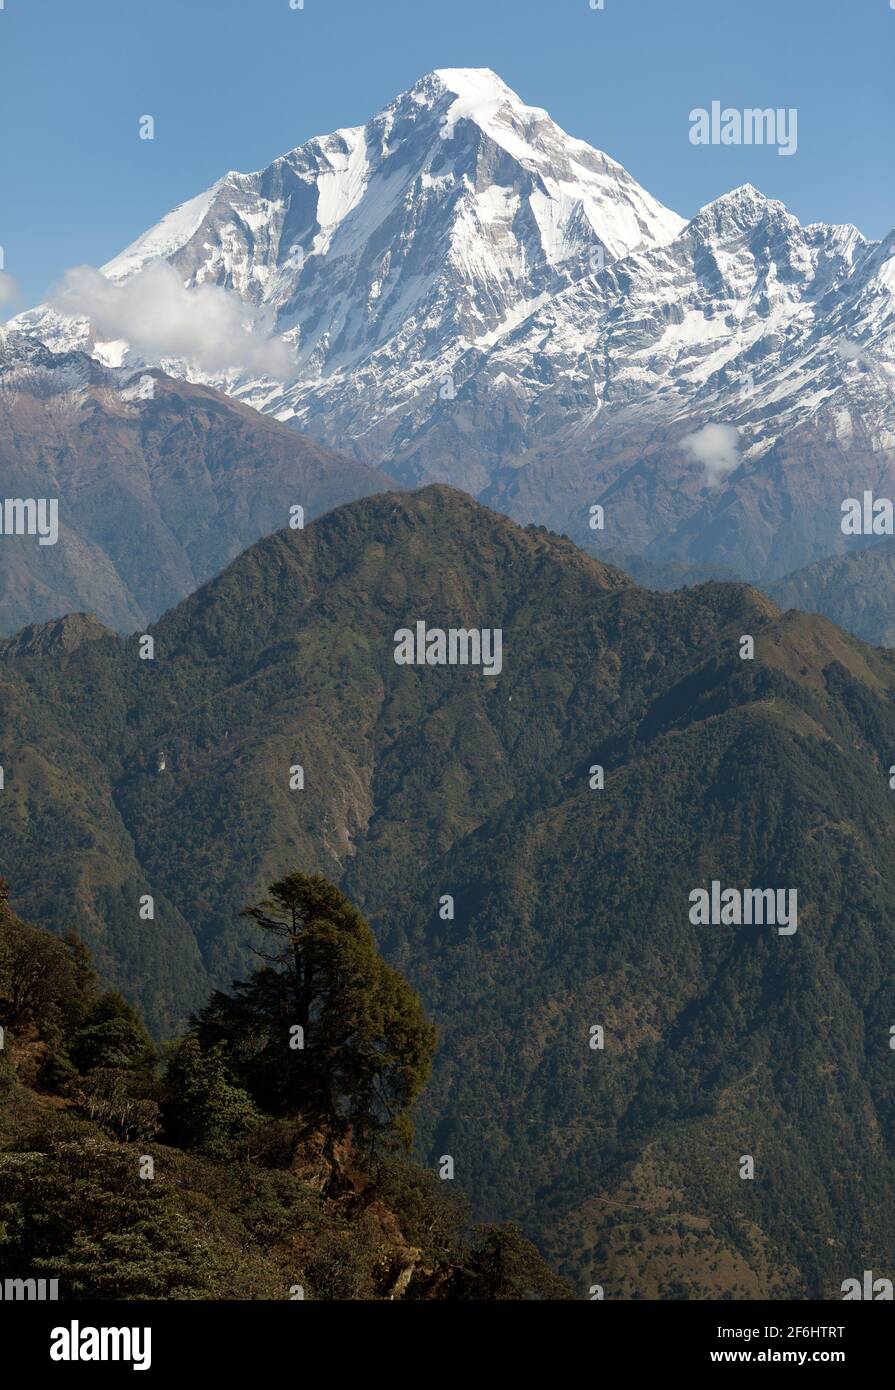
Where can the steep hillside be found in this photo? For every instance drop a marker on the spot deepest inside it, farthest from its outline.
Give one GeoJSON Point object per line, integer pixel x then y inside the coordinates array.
{"type": "Point", "coordinates": [123, 1179]}
{"type": "Point", "coordinates": [720, 1041]}
{"type": "Point", "coordinates": [856, 590]}
{"type": "Point", "coordinates": [158, 485]}
{"type": "Point", "coordinates": [285, 659]}
{"type": "Point", "coordinates": [176, 778]}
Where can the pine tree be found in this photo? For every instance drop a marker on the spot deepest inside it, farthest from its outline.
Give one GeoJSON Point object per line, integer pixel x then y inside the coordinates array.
{"type": "Point", "coordinates": [325, 1028]}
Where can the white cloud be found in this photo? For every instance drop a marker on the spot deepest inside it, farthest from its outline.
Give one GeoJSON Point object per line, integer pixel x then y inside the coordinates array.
{"type": "Point", "coordinates": [9, 290]}
{"type": "Point", "coordinates": [853, 352]}
{"type": "Point", "coordinates": [717, 448]}
{"type": "Point", "coordinates": [159, 317]}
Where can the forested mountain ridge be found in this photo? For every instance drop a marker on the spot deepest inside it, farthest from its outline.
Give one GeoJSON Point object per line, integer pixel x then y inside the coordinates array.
{"type": "Point", "coordinates": [285, 659]}
{"type": "Point", "coordinates": [172, 778]}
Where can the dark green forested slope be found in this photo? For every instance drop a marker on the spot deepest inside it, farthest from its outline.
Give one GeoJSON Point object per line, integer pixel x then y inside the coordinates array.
{"type": "Point", "coordinates": [720, 1041]}
{"type": "Point", "coordinates": [571, 904]}
{"type": "Point", "coordinates": [237, 1166]}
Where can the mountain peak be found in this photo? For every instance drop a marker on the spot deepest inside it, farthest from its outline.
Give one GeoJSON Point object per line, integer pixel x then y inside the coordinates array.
{"type": "Point", "coordinates": [746, 193]}
{"type": "Point", "coordinates": [58, 635]}
{"type": "Point", "coordinates": [746, 197]}
{"type": "Point", "coordinates": [439, 223]}
{"type": "Point", "coordinates": [741, 209]}
{"type": "Point", "coordinates": [483, 83]}
{"type": "Point", "coordinates": [481, 92]}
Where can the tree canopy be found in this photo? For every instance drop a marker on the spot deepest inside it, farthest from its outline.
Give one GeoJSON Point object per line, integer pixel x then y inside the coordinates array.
{"type": "Point", "coordinates": [210, 1193]}
{"type": "Point", "coordinates": [324, 1028]}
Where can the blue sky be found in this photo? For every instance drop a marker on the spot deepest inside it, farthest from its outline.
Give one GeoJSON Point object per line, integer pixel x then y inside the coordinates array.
{"type": "Point", "coordinates": [233, 83]}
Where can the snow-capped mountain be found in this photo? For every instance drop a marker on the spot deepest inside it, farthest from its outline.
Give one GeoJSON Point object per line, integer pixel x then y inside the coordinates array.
{"type": "Point", "coordinates": [398, 245]}
{"type": "Point", "coordinates": [719, 395]}
{"type": "Point", "coordinates": [471, 295]}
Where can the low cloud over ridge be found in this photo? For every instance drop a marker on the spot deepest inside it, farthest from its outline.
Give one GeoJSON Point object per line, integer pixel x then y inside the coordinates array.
{"type": "Point", "coordinates": [160, 317]}
{"type": "Point", "coordinates": [717, 448]}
